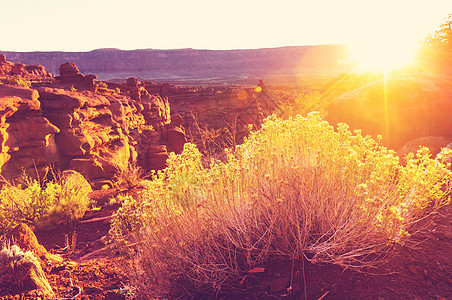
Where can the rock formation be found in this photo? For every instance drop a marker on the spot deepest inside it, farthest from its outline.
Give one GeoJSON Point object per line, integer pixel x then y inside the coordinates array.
{"type": "Point", "coordinates": [26, 137]}
{"type": "Point", "coordinates": [70, 74]}
{"type": "Point", "coordinates": [17, 69]}
{"type": "Point", "coordinates": [92, 133]}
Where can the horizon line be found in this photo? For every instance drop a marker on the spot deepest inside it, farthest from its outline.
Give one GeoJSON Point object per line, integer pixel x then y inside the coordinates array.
{"type": "Point", "coordinates": [173, 49]}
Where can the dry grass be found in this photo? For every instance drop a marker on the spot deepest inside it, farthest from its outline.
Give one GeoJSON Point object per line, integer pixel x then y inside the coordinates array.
{"type": "Point", "coordinates": [22, 270]}
{"type": "Point", "coordinates": [296, 189]}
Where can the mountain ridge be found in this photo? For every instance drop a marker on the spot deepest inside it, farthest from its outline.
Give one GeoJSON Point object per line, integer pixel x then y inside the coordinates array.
{"type": "Point", "coordinates": [150, 64]}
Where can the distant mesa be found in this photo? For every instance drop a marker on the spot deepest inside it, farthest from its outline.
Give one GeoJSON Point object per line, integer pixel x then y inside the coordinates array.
{"type": "Point", "coordinates": [151, 64]}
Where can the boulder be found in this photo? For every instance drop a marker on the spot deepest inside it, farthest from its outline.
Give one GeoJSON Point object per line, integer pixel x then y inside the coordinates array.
{"type": "Point", "coordinates": [157, 157]}
{"type": "Point", "coordinates": [132, 82]}
{"type": "Point", "coordinates": [434, 143]}
{"type": "Point", "coordinates": [68, 69]}
{"type": "Point", "coordinates": [20, 271]}
{"type": "Point", "coordinates": [24, 238]}
{"type": "Point", "coordinates": [70, 75]}
{"type": "Point", "coordinates": [175, 139]}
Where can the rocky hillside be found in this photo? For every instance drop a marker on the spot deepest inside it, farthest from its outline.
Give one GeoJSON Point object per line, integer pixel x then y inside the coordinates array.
{"type": "Point", "coordinates": [192, 63]}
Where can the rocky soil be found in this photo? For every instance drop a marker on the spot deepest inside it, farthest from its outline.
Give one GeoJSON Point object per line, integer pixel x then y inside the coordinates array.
{"type": "Point", "coordinates": [420, 269]}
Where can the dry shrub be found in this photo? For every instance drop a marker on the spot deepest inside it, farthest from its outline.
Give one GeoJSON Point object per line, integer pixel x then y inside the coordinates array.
{"type": "Point", "coordinates": [21, 271]}
{"type": "Point", "coordinates": [296, 189]}
{"type": "Point", "coordinates": [129, 176]}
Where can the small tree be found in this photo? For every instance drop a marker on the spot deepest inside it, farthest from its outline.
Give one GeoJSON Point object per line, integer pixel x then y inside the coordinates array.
{"type": "Point", "coordinates": [436, 52]}
{"type": "Point", "coordinates": [441, 38]}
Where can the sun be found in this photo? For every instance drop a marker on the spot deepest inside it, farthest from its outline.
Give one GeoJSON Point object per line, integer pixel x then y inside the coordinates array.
{"type": "Point", "coordinates": [384, 54]}
{"type": "Point", "coordinates": [386, 35]}
{"type": "Point", "coordinates": [384, 49]}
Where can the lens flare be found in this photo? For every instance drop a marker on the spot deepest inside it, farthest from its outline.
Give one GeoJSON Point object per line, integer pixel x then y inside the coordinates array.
{"type": "Point", "coordinates": [384, 55]}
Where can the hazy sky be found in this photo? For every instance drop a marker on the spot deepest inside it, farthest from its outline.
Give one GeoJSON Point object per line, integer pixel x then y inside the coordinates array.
{"type": "Point", "coordinates": [83, 25]}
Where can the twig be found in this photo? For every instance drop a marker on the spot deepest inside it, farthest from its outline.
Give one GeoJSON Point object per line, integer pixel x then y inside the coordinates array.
{"type": "Point", "coordinates": [324, 295]}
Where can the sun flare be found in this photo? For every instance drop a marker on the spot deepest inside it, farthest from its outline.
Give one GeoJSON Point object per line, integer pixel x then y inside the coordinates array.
{"type": "Point", "coordinates": [386, 37]}
{"type": "Point", "coordinates": [383, 55]}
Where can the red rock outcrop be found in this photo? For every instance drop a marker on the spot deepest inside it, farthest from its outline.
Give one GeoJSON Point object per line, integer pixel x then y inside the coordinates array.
{"type": "Point", "coordinates": [26, 137]}
{"type": "Point", "coordinates": [70, 74]}
{"type": "Point", "coordinates": [94, 134]}
{"type": "Point", "coordinates": [32, 72]}
{"type": "Point", "coordinates": [98, 132]}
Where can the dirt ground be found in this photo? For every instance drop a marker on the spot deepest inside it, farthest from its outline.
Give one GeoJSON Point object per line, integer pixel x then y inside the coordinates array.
{"type": "Point", "coordinates": [421, 270]}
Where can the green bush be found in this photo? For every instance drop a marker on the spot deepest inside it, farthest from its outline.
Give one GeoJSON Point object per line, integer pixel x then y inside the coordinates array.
{"type": "Point", "coordinates": [296, 188]}
{"type": "Point", "coordinates": [42, 206]}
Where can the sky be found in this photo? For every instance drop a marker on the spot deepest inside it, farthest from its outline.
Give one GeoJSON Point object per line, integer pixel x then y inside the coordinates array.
{"type": "Point", "coordinates": [84, 25]}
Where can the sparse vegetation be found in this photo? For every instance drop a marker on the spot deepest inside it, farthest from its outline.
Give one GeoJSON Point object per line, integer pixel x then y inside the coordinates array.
{"type": "Point", "coordinates": [44, 205]}
{"type": "Point", "coordinates": [129, 176]}
{"type": "Point", "coordinates": [17, 81]}
{"type": "Point", "coordinates": [296, 189]}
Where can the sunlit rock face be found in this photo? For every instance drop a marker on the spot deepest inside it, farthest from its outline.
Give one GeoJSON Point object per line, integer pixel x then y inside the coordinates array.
{"type": "Point", "coordinates": [90, 141]}
{"type": "Point", "coordinates": [96, 134]}
{"type": "Point", "coordinates": [26, 136]}
{"type": "Point", "coordinates": [401, 108]}
{"type": "Point", "coordinates": [101, 134]}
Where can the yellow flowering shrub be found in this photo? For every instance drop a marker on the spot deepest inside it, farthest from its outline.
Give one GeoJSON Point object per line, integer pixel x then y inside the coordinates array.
{"type": "Point", "coordinates": [296, 188]}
